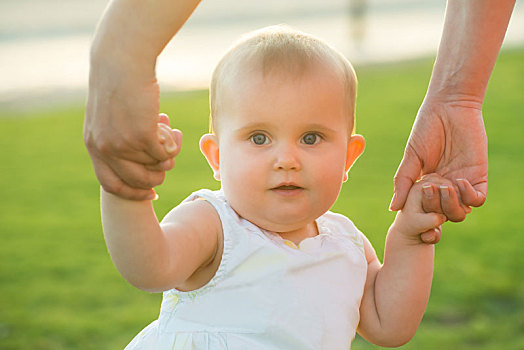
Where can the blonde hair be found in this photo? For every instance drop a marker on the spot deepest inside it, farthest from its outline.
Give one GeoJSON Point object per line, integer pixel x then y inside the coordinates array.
{"type": "Point", "coordinates": [282, 49]}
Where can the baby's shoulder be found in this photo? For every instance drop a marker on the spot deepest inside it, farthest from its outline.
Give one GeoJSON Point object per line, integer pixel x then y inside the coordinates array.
{"type": "Point", "coordinates": [338, 221]}
{"type": "Point", "coordinates": [195, 212]}
{"type": "Point", "coordinates": [341, 225]}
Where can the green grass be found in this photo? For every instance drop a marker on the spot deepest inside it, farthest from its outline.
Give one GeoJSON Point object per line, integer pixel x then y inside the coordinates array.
{"type": "Point", "coordinates": [59, 289]}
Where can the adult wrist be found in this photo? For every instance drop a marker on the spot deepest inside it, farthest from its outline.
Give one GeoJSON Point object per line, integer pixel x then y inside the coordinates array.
{"type": "Point", "coordinates": [450, 84]}
{"type": "Point", "coordinates": [112, 66]}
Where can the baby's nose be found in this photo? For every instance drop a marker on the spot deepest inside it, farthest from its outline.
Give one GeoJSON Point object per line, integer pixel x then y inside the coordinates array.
{"type": "Point", "coordinates": [287, 159]}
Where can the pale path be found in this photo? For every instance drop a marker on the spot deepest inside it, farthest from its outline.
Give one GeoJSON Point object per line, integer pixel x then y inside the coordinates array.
{"type": "Point", "coordinates": [44, 45]}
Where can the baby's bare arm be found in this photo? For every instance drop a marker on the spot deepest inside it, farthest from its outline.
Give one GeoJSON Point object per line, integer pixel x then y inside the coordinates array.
{"type": "Point", "coordinates": [396, 293]}
{"type": "Point", "coordinates": [153, 256]}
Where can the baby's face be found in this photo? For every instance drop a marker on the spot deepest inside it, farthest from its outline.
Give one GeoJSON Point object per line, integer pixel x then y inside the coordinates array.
{"type": "Point", "coordinates": [283, 145]}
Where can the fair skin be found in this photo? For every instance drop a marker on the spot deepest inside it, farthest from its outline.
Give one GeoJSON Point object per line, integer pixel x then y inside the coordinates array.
{"type": "Point", "coordinates": [448, 135]}
{"type": "Point", "coordinates": [123, 103]}
{"type": "Point", "coordinates": [245, 117]}
{"type": "Point", "coordinates": [122, 109]}
{"type": "Point", "coordinates": [292, 145]}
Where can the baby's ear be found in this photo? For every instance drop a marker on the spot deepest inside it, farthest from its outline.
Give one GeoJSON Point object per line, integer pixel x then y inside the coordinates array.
{"type": "Point", "coordinates": [209, 148]}
{"type": "Point", "coordinates": [356, 146]}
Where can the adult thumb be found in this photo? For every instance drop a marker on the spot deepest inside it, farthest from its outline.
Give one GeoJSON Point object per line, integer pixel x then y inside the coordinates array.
{"type": "Point", "coordinates": [407, 174]}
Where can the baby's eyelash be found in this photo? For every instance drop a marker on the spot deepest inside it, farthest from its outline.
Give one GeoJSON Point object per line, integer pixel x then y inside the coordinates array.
{"type": "Point", "coordinates": [317, 138]}
{"type": "Point", "coordinates": [259, 138]}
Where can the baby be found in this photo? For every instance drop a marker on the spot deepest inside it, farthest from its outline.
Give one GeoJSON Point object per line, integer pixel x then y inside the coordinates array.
{"type": "Point", "coordinates": [263, 263]}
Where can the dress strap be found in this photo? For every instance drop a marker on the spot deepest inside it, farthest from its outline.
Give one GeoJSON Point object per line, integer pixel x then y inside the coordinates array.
{"type": "Point", "coordinates": [227, 217]}
{"type": "Point", "coordinates": [342, 225]}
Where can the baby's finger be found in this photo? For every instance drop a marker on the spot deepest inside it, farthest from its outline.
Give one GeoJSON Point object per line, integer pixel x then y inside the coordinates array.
{"type": "Point", "coordinates": [167, 139]}
{"type": "Point", "coordinates": [432, 220]}
{"type": "Point", "coordinates": [163, 118]}
{"type": "Point", "coordinates": [171, 145]}
{"type": "Point", "coordinates": [177, 137]}
{"type": "Point", "coordinates": [162, 147]}
{"type": "Point", "coordinates": [163, 132]}
{"type": "Point", "coordinates": [450, 204]}
{"type": "Point", "coordinates": [432, 236]}
{"type": "Point", "coordinates": [430, 198]}
{"type": "Point", "coordinates": [171, 139]}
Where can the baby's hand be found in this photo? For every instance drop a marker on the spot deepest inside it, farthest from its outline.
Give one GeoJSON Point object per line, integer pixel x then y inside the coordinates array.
{"type": "Point", "coordinates": [165, 137]}
{"type": "Point", "coordinates": [424, 224]}
{"type": "Point", "coordinates": [171, 139]}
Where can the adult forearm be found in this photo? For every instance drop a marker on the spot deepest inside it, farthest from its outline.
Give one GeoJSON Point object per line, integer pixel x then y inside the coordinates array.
{"type": "Point", "coordinates": [471, 40]}
{"type": "Point", "coordinates": [132, 33]}
{"type": "Point", "coordinates": [402, 287]}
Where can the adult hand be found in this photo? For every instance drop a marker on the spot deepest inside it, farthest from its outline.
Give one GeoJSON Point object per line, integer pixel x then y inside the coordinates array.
{"type": "Point", "coordinates": [120, 133]}
{"type": "Point", "coordinates": [440, 195]}
{"type": "Point", "coordinates": [120, 129]}
{"type": "Point", "coordinates": [448, 138]}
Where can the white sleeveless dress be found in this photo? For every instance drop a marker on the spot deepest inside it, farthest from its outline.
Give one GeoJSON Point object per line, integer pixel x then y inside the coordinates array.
{"type": "Point", "coordinates": [268, 293]}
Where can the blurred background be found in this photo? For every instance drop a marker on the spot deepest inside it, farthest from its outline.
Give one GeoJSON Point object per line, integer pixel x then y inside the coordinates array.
{"type": "Point", "coordinates": [44, 44]}
{"type": "Point", "coordinates": [58, 287]}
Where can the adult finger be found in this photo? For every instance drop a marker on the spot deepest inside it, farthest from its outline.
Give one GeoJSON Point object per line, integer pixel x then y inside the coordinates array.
{"type": "Point", "coordinates": [124, 147]}
{"type": "Point", "coordinates": [113, 184]}
{"type": "Point", "coordinates": [474, 196]}
{"type": "Point", "coordinates": [407, 173]}
{"type": "Point", "coordinates": [136, 175]}
{"type": "Point", "coordinates": [132, 155]}
{"type": "Point", "coordinates": [430, 198]}
{"type": "Point", "coordinates": [162, 166]}
{"type": "Point", "coordinates": [450, 204]}
{"type": "Point", "coordinates": [127, 192]}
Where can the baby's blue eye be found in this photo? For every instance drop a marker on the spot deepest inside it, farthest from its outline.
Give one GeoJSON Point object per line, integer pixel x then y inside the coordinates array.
{"type": "Point", "coordinates": [259, 139]}
{"type": "Point", "coordinates": [310, 139]}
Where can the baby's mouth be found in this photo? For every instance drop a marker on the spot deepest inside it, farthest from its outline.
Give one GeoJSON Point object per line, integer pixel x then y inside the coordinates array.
{"type": "Point", "coordinates": [287, 187]}
{"type": "Point", "coordinates": [287, 190]}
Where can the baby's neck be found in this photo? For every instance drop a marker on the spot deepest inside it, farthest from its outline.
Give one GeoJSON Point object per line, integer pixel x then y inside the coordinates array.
{"type": "Point", "coordinates": [297, 236]}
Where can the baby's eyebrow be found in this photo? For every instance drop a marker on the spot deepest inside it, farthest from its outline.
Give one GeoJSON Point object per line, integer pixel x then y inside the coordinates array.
{"type": "Point", "coordinates": [266, 126]}
{"type": "Point", "coordinates": [253, 126]}
{"type": "Point", "coordinates": [319, 127]}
